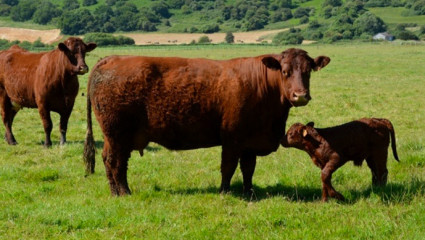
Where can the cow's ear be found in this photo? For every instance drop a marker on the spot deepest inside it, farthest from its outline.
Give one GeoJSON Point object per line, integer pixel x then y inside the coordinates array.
{"type": "Point", "coordinates": [271, 63]}
{"type": "Point", "coordinates": [63, 47]}
{"type": "Point", "coordinates": [311, 124]}
{"type": "Point", "coordinates": [320, 62]}
{"type": "Point", "coordinates": [90, 47]}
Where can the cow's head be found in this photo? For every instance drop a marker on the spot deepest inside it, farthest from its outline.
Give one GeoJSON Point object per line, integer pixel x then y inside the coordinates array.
{"type": "Point", "coordinates": [300, 135]}
{"type": "Point", "coordinates": [295, 66]}
{"type": "Point", "coordinates": [75, 50]}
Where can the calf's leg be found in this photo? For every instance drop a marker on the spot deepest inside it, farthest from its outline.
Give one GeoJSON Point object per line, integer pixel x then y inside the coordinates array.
{"type": "Point", "coordinates": [229, 162]}
{"type": "Point", "coordinates": [377, 163]}
{"type": "Point", "coordinates": [247, 164]}
{"type": "Point", "coordinates": [327, 188]}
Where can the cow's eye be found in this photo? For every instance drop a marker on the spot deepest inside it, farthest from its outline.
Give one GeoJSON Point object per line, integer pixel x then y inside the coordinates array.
{"type": "Point", "coordinates": [285, 73]}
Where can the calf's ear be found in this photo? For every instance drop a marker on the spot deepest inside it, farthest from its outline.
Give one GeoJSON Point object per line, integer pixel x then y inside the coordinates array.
{"type": "Point", "coordinates": [320, 62]}
{"type": "Point", "coordinates": [305, 133]}
{"type": "Point", "coordinates": [63, 47]}
{"type": "Point", "coordinates": [271, 63]}
{"type": "Point", "coordinates": [311, 124]}
{"type": "Point", "coordinates": [90, 47]}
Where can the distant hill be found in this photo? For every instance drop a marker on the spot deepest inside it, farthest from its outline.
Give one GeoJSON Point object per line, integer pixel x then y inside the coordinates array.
{"type": "Point", "coordinates": [320, 20]}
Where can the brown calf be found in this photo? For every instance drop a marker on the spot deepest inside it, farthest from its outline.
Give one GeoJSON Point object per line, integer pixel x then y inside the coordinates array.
{"type": "Point", "coordinates": [241, 104]}
{"type": "Point", "coordinates": [330, 148]}
{"type": "Point", "coordinates": [47, 81]}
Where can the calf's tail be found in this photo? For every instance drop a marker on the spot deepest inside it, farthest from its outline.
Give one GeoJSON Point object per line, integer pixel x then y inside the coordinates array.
{"type": "Point", "coordinates": [89, 144]}
{"type": "Point", "coordinates": [393, 143]}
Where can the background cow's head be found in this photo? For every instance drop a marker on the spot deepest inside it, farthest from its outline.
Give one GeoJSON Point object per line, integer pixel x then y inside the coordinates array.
{"type": "Point", "coordinates": [295, 66]}
{"type": "Point", "coordinates": [75, 50]}
{"type": "Point", "coordinates": [299, 135]}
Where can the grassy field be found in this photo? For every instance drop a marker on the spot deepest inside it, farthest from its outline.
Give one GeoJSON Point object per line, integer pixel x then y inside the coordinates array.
{"type": "Point", "coordinates": [45, 195]}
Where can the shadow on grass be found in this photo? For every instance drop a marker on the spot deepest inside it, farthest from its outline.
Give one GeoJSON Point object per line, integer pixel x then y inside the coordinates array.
{"type": "Point", "coordinates": [98, 145]}
{"type": "Point", "coordinates": [391, 193]}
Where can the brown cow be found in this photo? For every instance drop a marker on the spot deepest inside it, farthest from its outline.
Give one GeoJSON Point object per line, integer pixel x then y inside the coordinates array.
{"type": "Point", "coordinates": [330, 148]}
{"type": "Point", "coordinates": [47, 81]}
{"type": "Point", "coordinates": [241, 104]}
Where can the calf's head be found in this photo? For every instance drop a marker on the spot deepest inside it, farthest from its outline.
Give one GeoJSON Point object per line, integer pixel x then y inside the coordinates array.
{"type": "Point", "coordinates": [300, 135]}
{"type": "Point", "coordinates": [75, 50]}
{"type": "Point", "coordinates": [295, 66]}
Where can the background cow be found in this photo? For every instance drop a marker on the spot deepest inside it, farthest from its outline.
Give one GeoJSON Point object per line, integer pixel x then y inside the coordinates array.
{"type": "Point", "coordinates": [47, 81]}
{"type": "Point", "coordinates": [241, 104]}
{"type": "Point", "coordinates": [330, 148]}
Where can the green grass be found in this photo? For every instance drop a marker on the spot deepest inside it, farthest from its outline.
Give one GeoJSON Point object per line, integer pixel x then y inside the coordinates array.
{"type": "Point", "coordinates": [394, 15]}
{"type": "Point", "coordinates": [44, 194]}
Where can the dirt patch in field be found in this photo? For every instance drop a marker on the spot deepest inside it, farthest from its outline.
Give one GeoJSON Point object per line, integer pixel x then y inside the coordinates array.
{"type": "Point", "coordinates": [50, 36]}
{"type": "Point", "coordinates": [179, 38]}
{"type": "Point", "coordinates": [30, 35]}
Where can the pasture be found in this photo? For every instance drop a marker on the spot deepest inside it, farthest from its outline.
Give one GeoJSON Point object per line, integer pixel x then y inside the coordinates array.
{"type": "Point", "coordinates": [45, 195]}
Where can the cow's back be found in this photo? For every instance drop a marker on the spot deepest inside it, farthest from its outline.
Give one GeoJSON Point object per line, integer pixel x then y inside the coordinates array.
{"type": "Point", "coordinates": [19, 74]}
{"type": "Point", "coordinates": [179, 103]}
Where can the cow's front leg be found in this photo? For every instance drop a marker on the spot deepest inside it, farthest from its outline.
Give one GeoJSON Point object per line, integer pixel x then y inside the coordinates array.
{"type": "Point", "coordinates": [229, 162]}
{"type": "Point", "coordinates": [63, 125]}
{"type": "Point", "coordinates": [47, 124]}
{"type": "Point", "coordinates": [248, 162]}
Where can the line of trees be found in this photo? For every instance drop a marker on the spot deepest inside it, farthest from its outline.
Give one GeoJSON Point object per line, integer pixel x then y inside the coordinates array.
{"type": "Point", "coordinates": [348, 19]}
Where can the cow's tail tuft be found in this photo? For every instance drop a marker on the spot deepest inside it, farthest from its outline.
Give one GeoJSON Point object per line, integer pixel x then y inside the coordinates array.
{"type": "Point", "coordinates": [89, 144]}
{"type": "Point", "coordinates": [393, 143]}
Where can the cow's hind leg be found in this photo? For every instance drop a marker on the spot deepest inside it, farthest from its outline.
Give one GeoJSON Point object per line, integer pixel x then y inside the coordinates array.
{"type": "Point", "coordinates": [8, 114]}
{"type": "Point", "coordinates": [377, 163]}
{"type": "Point", "coordinates": [229, 162]}
{"type": "Point", "coordinates": [247, 164]}
{"type": "Point", "coordinates": [115, 158]}
{"type": "Point", "coordinates": [47, 124]}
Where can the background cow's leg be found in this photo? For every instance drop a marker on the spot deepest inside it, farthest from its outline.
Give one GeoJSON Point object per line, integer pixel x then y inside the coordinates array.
{"type": "Point", "coordinates": [63, 125]}
{"type": "Point", "coordinates": [377, 163]}
{"type": "Point", "coordinates": [229, 162]}
{"type": "Point", "coordinates": [327, 188]}
{"type": "Point", "coordinates": [115, 157]}
{"type": "Point", "coordinates": [247, 164]}
{"type": "Point", "coordinates": [8, 114]}
{"type": "Point", "coordinates": [47, 124]}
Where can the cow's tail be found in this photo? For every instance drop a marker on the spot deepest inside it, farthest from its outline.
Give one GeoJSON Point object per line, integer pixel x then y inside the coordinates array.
{"type": "Point", "coordinates": [393, 143]}
{"type": "Point", "coordinates": [89, 144]}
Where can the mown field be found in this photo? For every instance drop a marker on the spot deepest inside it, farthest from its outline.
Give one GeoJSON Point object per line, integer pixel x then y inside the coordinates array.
{"type": "Point", "coordinates": [45, 195]}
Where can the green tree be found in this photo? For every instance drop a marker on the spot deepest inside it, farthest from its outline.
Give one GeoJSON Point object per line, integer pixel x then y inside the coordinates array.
{"type": "Point", "coordinates": [368, 23]}
{"type": "Point", "coordinates": [45, 12]}
{"type": "Point", "coordinates": [126, 17]}
{"type": "Point", "coordinates": [204, 39]}
{"type": "Point", "coordinates": [406, 35]}
{"type": "Point", "coordinates": [69, 5]}
{"type": "Point", "coordinates": [78, 21]}
{"type": "Point", "coordinates": [89, 2]}
{"type": "Point", "coordinates": [292, 36]}
{"type": "Point", "coordinates": [229, 37]}
{"type": "Point", "coordinates": [332, 3]}
{"type": "Point", "coordinates": [161, 8]}
{"type": "Point", "coordinates": [10, 2]}
{"type": "Point", "coordinates": [23, 11]}
{"type": "Point", "coordinates": [5, 9]}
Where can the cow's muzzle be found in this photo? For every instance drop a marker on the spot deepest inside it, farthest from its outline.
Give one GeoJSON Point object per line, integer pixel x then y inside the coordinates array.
{"type": "Point", "coordinates": [83, 69]}
{"type": "Point", "coordinates": [300, 99]}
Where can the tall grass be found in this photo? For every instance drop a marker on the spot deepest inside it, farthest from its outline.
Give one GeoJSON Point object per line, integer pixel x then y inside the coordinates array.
{"type": "Point", "coordinates": [44, 194]}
